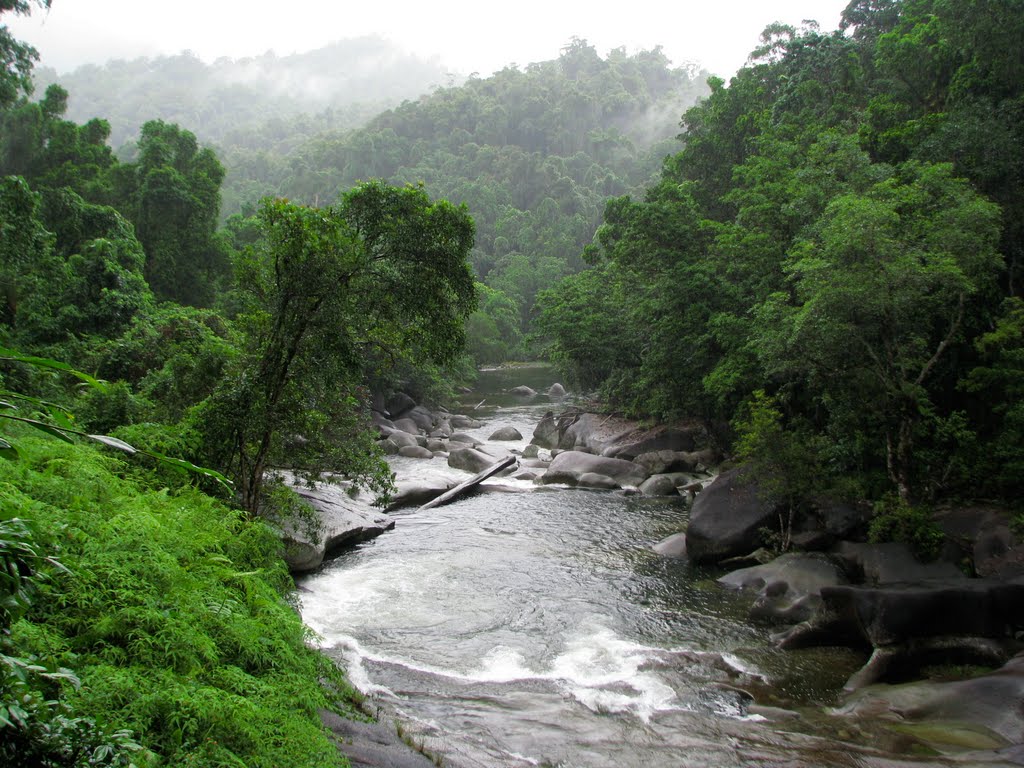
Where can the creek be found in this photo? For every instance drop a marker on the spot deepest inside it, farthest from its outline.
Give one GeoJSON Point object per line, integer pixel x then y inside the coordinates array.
{"type": "Point", "coordinates": [536, 627]}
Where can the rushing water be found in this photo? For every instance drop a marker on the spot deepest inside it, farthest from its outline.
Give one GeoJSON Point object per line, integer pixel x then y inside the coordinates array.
{"type": "Point", "coordinates": [537, 627]}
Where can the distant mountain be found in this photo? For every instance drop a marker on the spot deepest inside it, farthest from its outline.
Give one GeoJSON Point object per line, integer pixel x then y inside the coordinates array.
{"type": "Point", "coordinates": [342, 85]}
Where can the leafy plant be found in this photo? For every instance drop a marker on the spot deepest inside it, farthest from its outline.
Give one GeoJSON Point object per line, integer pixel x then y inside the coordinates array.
{"type": "Point", "coordinates": [895, 520]}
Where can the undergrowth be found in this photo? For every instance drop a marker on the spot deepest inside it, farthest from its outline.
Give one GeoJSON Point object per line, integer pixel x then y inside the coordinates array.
{"type": "Point", "coordinates": [173, 614]}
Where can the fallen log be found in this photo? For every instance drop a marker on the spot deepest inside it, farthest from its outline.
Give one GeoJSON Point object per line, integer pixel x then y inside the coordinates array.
{"type": "Point", "coordinates": [474, 481]}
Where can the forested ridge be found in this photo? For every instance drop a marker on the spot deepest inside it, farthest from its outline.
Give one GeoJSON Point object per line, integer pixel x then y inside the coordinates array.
{"type": "Point", "coordinates": [824, 267]}
{"type": "Point", "coordinates": [832, 262]}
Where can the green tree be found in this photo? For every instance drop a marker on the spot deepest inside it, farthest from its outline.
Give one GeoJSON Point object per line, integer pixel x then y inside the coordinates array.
{"type": "Point", "coordinates": [382, 273]}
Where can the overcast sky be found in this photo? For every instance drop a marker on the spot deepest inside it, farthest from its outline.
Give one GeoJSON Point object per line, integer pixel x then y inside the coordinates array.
{"type": "Point", "coordinates": [466, 36]}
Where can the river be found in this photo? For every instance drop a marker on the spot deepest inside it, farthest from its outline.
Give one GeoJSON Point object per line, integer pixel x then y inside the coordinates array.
{"type": "Point", "coordinates": [536, 627]}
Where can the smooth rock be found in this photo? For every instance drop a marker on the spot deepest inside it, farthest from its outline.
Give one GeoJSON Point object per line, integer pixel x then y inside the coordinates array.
{"type": "Point", "coordinates": [415, 452]}
{"type": "Point", "coordinates": [664, 462]}
{"type": "Point", "coordinates": [506, 433]}
{"type": "Point", "coordinates": [556, 390]}
{"type": "Point", "coordinates": [892, 563]}
{"type": "Point", "coordinates": [788, 589]}
{"type": "Point", "coordinates": [569, 466]}
{"type": "Point", "coordinates": [727, 519]}
{"type": "Point", "coordinates": [423, 418]}
{"type": "Point", "coordinates": [595, 480]}
{"type": "Point", "coordinates": [407, 425]}
{"type": "Point", "coordinates": [343, 521]}
{"type": "Point", "coordinates": [409, 493]}
{"type": "Point", "coordinates": [464, 422]}
{"type": "Point", "coordinates": [672, 546]}
{"type": "Point", "coordinates": [461, 437]}
{"type": "Point", "coordinates": [667, 439]}
{"type": "Point", "coordinates": [523, 391]}
{"type": "Point", "coordinates": [399, 404]}
{"type": "Point", "coordinates": [531, 451]}
{"type": "Point", "coordinates": [659, 485]}
{"type": "Point", "coordinates": [545, 434]}
{"type": "Point", "coordinates": [470, 460]}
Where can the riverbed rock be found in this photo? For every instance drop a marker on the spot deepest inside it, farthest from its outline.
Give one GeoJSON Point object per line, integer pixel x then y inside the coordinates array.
{"type": "Point", "coordinates": [663, 439]}
{"type": "Point", "coordinates": [414, 493]}
{"type": "Point", "coordinates": [399, 404]}
{"type": "Point", "coordinates": [906, 626]}
{"type": "Point", "coordinates": [382, 424]}
{"type": "Point", "coordinates": [372, 745]}
{"type": "Point", "coordinates": [396, 440]}
{"type": "Point", "coordinates": [672, 546]}
{"type": "Point", "coordinates": [464, 422]}
{"type": "Point", "coordinates": [423, 418]}
{"type": "Point", "coordinates": [664, 462]}
{"type": "Point", "coordinates": [569, 466]}
{"type": "Point", "coordinates": [531, 451]}
{"type": "Point", "coordinates": [981, 713]}
{"type": "Point", "coordinates": [556, 390]}
{"type": "Point", "coordinates": [981, 536]}
{"type": "Point", "coordinates": [545, 434]}
{"type": "Point", "coordinates": [728, 519]}
{"type": "Point", "coordinates": [342, 522]}
{"type": "Point", "coordinates": [415, 452]}
{"type": "Point", "coordinates": [470, 459]}
{"type": "Point", "coordinates": [892, 563]}
{"type": "Point", "coordinates": [788, 589]}
{"type": "Point", "coordinates": [523, 391]}
{"type": "Point", "coordinates": [659, 485]}
{"type": "Point", "coordinates": [598, 481]}
{"type": "Point", "coordinates": [407, 425]}
{"type": "Point", "coordinates": [462, 437]}
{"type": "Point", "coordinates": [506, 433]}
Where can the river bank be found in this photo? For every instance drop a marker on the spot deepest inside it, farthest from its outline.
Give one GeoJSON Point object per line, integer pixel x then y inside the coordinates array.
{"type": "Point", "coordinates": [476, 623]}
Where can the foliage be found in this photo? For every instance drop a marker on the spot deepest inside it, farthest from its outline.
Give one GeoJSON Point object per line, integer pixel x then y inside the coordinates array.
{"type": "Point", "coordinates": [895, 520]}
{"type": "Point", "coordinates": [172, 614]}
{"type": "Point", "coordinates": [382, 274]}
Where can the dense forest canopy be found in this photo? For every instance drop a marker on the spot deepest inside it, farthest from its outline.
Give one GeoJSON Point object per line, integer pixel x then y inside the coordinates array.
{"type": "Point", "coordinates": [839, 239]}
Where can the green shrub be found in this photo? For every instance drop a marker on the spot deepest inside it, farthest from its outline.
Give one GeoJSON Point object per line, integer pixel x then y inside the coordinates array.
{"type": "Point", "coordinates": [895, 520]}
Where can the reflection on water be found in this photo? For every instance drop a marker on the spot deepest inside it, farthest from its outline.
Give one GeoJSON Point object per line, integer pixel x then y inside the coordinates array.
{"type": "Point", "coordinates": [538, 628]}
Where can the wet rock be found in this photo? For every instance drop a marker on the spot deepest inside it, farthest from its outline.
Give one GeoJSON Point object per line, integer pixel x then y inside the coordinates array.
{"type": "Point", "coordinates": [659, 485]}
{"type": "Point", "coordinates": [423, 418]}
{"type": "Point", "coordinates": [545, 434]}
{"type": "Point", "coordinates": [407, 425]}
{"type": "Point", "coordinates": [664, 462]}
{"type": "Point", "coordinates": [667, 439]}
{"type": "Point", "coordinates": [469, 459]}
{"type": "Point", "coordinates": [595, 480]}
{"type": "Point", "coordinates": [416, 493]}
{"type": "Point", "coordinates": [341, 521]}
{"type": "Point", "coordinates": [398, 439]}
{"type": "Point", "coordinates": [464, 422]}
{"type": "Point", "coordinates": [460, 437]}
{"type": "Point", "coordinates": [531, 452]}
{"type": "Point", "coordinates": [728, 519]}
{"type": "Point", "coordinates": [981, 713]}
{"type": "Point", "coordinates": [982, 536]}
{"type": "Point", "coordinates": [556, 390]}
{"type": "Point", "coordinates": [672, 546]}
{"type": "Point", "coordinates": [569, 466]}
{"type": "Point", "coordinates": [525, 474]}
{"type": "Point", "coordinates": [578, 435]}
{"type": "Point", "coordinates": [415, 452]}
{"type": "Point", "coordinates": [788, 589]}
{"type": "Point", "coordinates": [442, 432]}
{"type": "Point", "coordinates": [961, 620]}
{"type": "Point", "coordinates": [433, 444]}
{"type": "Point", "coordinates": [892, 563]}
{"type": "Point", "coordinates": [523, 391]}
{"type": "Point", "coordinates": [372, 745]}
{"type": "Point", "coordinates": [399, 404]}
{"type": "Point", "coordinates": [506, 433]}
{"type": "Point", "coordinates": [382, 424]}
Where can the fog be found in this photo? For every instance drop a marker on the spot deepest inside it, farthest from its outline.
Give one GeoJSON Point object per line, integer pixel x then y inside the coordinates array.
{"type": "Point", "coordinates": [465, 36]}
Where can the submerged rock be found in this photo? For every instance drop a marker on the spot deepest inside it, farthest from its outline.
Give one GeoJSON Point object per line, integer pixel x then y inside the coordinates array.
{"type": "Point", "coordinates": [523, 391]}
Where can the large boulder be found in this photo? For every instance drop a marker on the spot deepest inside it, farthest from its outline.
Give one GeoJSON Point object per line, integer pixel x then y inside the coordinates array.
{"type": "Point", "coordinates": [982, 536]}
{"type": "Point", "coordinates": [470, 459]}
{"type": "Point", "coordinates": [668, 439]}
{"type": "Point", "coordinates": [665, 462]}
{"type": "Point", "coordinates": [407, 425]}
{"type": "Point", "coordinates": [570, 466]}
{"type": "Point", "coordinates": [458, 421]}
{"type": "Point", "coordinates": [728, 519]}
{"type": "Point", "coordinates": [578, 433]}
{"type": "Point", "coordinates": [415, 452]}
{"type": "Point", "coordinates": [545, 434]}
{"type": "Point", "coordinates": [339, 521]}
{"type": "Point", "coordinates": [408, 493]}
{"type": "Point", "coordinates": [422, 417]}
{"type": "Point", "coordinates": [556, 390]}
{"type": "Point", "coordinates": [659, 485]}
{"type": "Point", "coordinates": [400, 404]}
{"type": "Point", "coordinates": [523, 391]}
{"type": "Point", "coordinates": [907, 626]}
{"type": "Point", "coordinates": [506, 433]}
{"type": "Point", "coordinates": [892, 563]}
{"type": "Point", "coordinates": [788, 589]}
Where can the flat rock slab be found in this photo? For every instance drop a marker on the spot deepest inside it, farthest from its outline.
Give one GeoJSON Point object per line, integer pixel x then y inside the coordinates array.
{"type": "Point", "coordinates": [372, 745]}
{"type": "Point", "coordinates": [344, 521]}
{"type": "Point", "coordinates": [788, 588]}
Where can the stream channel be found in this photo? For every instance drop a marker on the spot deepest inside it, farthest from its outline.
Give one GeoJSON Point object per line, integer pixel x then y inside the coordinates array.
{"type": "Point", "coordinates": [537, 627]}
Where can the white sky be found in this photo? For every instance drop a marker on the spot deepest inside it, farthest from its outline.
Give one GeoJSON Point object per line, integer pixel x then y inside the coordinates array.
{"type": "Point", "coordinates": [466, 36]}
